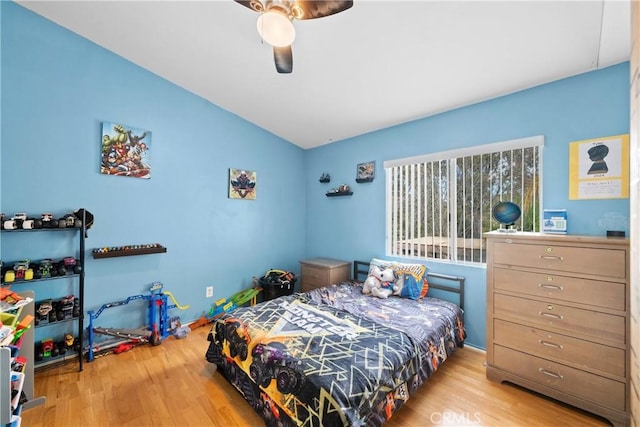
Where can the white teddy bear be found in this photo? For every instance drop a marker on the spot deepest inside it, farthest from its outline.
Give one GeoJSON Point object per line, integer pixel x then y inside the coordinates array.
{"type": "Point", "coordinates": [387, 278]}
{"type": "Point", "coordinates": [373, 280]}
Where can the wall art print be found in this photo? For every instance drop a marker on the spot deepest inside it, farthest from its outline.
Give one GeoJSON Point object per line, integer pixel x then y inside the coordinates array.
{"type": "Point", "coordinates": [366, 172]}
{"type": "Point", "coordinates": [125, 151]}
{"type": "Point", "coordinates": [599, 168]}
{"type": "Point", "coordinates": [242, 184]}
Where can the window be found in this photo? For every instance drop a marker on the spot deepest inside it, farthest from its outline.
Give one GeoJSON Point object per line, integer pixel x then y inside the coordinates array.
{"type": "Point", "coordinates": [439, 205]}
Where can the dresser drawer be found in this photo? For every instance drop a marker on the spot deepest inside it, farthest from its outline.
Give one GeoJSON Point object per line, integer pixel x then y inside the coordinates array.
{"type": "Point", "coordinates": [581, 384]}
{"type": "Point", "coordinates": [576, 321]}
{"type": "Point", "coordinates": [561, 348]}
{"type": "Point", "coordinates": [314, 275]}
{"type": "Point", "coordinates": [551, 285]}
{"type": "Point", "coordinates": [592, 261]}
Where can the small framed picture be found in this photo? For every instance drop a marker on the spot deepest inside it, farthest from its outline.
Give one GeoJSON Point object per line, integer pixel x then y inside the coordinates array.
{"type": "Point", "coordinates": [125, 151]}
{"type": "Point", "coordinates": [366, 172]}
{"type": "Point", "coordinates": [242, 184]}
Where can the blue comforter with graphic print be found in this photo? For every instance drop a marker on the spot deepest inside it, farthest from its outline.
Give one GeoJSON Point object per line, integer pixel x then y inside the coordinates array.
{"type": "Point", "coordinates": [333, 356]}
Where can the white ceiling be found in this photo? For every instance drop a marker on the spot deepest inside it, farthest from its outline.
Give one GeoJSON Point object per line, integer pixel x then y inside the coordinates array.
{"type": "Point", "coordinates": [378, 64]}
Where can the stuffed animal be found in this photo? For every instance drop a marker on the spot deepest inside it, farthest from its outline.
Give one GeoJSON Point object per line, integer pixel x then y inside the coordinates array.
{"type": "Point", "coordinates": [373, 280]}
{"type": "Point", "coordinates": [387, 279]}
{"type": "Point", "coordinates": [398, 285]}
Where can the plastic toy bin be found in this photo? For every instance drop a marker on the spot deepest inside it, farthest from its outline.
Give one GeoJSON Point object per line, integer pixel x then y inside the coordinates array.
{"type": "Point", "coordinates": [275, 289]}
{"type": "Point", "coordinates": [10, 318]}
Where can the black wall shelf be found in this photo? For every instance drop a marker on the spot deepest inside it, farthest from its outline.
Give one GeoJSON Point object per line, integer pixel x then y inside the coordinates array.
{"type": "Point", "coordinates": [361, 180]}
{"type": "Point", "coordinates": [342, 193]}
{"type": "Point", "coordinates": [128, 252]}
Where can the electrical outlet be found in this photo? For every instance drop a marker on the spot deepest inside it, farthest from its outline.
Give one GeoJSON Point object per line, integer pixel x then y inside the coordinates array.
{"type": "Point", "coordinates": [209, 291]}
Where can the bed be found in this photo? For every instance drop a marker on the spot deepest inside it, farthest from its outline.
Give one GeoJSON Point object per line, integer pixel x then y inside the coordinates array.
{"type": "Point", "coordinates": [335, 356]}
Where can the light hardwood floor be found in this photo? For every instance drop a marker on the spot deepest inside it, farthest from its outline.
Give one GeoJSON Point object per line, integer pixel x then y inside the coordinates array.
{"type": "Point", "coordinates": [173, 385]}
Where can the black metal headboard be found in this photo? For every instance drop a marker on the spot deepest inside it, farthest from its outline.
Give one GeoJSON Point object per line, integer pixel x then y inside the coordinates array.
{"type": "Point", "coordinates": [361, 271]}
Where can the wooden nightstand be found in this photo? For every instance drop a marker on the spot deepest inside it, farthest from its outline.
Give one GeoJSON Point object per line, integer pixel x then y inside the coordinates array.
{"type": "Point", "coordinates": [320, 272]}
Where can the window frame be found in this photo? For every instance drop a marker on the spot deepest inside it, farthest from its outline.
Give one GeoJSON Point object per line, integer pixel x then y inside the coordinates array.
{"type": "Point", "coordinates": [451, 156]}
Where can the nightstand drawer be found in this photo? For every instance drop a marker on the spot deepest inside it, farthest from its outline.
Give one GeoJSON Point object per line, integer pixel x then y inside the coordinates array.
{"type": "Point", "coordinates": [314, 275]}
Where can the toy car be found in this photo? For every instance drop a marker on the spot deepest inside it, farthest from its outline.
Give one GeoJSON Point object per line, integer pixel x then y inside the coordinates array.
{"type": "Point", "coordinates": [15, 222]}
{"type": "Point", "coordinates": [64, 308]}
{"type": "Point", "coordinates": [45, 269]}
{"type": "Point", "coordinates": [48, 221]}
{"type": "Point", "coordinates": [68, 265]}
{"type": "Point", "coordinates": [76, 307]}
{"type": "Point", "coordinates": [47, 347]}
{"type": "Point", "coordinates": [69, 221]}
{"type": "Point", "coordinates": [69, 343]}
{"type": "Point", "coordinates": [21, 270]}
{"type": "Point", "coordinates": [44, 312]}
{"type": "Point", "coordinates": [273, 361]}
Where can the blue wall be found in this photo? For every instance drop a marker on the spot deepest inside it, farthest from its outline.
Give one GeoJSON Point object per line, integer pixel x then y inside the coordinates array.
{"type": "Point", "coordinates": [590, 105]}
{"type": "Point", "coordinates": [57, 89]}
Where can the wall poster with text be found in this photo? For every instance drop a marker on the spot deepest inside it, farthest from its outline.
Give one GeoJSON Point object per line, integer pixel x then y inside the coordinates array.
{"type": "Point", "coordinates": [599, 168]}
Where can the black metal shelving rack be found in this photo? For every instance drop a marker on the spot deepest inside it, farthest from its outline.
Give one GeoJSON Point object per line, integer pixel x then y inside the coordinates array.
{"type": "Point", "coordinates": [81, 275]}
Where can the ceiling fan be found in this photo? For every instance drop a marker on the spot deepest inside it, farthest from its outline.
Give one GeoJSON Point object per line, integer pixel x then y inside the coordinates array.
{"type": "Point", "coordinates": [275, 23]}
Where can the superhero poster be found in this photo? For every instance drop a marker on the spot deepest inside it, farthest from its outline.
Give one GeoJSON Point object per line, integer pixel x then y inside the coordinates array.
{"type": "Point", "coordinates": [125, 151]}
{"type": "Point", "coordinates": [242, 184]}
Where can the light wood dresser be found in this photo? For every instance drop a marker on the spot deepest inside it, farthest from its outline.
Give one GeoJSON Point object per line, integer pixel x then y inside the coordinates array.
{"type": "Point", "coordinates": [320, 272]}
{"type": "Point", "coordinates": [558, 318]}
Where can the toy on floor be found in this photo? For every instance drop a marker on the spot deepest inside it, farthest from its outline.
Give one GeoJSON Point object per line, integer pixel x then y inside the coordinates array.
{"type": "Point", "coordinates": [155, 332]}
{"type": "Point", "coordinates": [177, 329]}
{"type": "Point", "coordinates": [225, 305]}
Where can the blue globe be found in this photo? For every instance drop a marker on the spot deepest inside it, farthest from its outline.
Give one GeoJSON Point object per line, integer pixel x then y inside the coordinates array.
{"type": "Point", "coordinates": [506, 213]}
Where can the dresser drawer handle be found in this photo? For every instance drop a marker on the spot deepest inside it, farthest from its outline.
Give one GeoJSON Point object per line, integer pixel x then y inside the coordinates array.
{"type": "Point", "coordinates": [547, 286]}
{"type": "Point", "coordinates": [551, 344]}
{"type": "Point", "coordinates": [555, 316]}
{"type": "Point", "coordinates": [551, 374]}
{"type": "Point", "coordinates": [551, 257]}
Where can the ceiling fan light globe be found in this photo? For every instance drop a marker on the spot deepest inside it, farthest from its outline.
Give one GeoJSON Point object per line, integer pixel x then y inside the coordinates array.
{"type": "Point", "coordinates": [276, 29]}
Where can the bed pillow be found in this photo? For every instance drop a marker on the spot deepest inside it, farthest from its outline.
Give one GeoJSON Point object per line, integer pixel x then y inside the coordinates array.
{"type": "Point", "coordinates": [411, 278]}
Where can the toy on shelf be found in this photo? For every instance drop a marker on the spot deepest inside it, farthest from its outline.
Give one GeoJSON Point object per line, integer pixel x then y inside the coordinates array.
{"type": "Point", "coordinates": [45, 269]}
{"type": "Point", "coordinates": [47, 220]}
{"type": "Point", "coordinates": [157, 329]}
{"type": "Point", "coordinates": [342, 190]}
{"type": "Point", "coordinates": [49, 311]}
{"type": "Point", "coordinates": [21, 221]}
{"type": "Point", "coordinates": [21, 271]}
{"type": "Point", "coordinates": [25, 270]}
{"type": "Point", "coordinates": [48, 348]}
{"type": "Point", "coordinates": [128, 250]}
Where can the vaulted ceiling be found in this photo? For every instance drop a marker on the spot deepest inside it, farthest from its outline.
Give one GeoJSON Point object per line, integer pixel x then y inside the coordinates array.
{"type": "Point", "coordinates": [377, 64]}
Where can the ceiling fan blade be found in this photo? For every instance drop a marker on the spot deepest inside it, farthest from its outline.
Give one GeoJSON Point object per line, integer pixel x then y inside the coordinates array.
{"type": "Point", "coordinates": [255, 5]}
{"type": "Point", "coordinates": [283, 57]}
{"type": "Point", "coordinates": [312, 9]}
